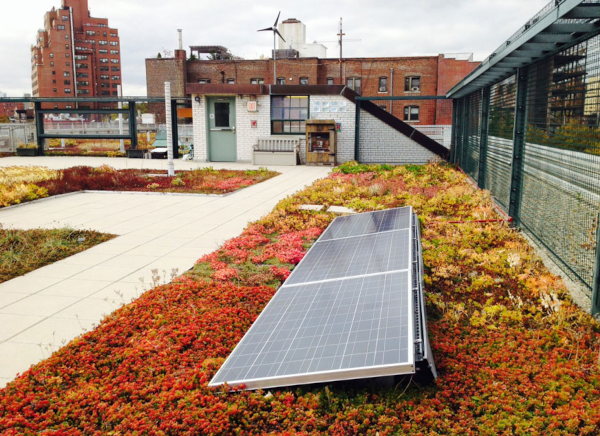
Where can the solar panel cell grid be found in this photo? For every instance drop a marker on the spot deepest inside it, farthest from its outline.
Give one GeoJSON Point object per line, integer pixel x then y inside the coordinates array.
{"type": "Point", "coordinates": [369, 254]}
{"type": "Point", "coordinates": [368, 223]}
{"type": "Point", "coordinates": [329, 326]}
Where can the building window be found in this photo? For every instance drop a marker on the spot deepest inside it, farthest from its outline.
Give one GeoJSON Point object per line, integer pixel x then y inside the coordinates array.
{"type": "Point", "coordinates": [104, 77]}
{"type": "Point", "coordinates": [411, 113]}
{"type": "Point", "coordinates": [68, 64]}
{"type": "Point", "coordinates": [412, 84]}
{"type": "Point", "coordinates": [115, 85]}
{"type": "Point", "coordinates": [104, 85]}
{"type": "Point", "coordinates": [354, 84]}
{"type": "Point", "coordinates": [289, 114]}
{"type": "Point", "coordinates": [81, 66]}
{"type": "Point", "coordinates": [105, 92]}
{"type": "Point", "coordinates": [67, 82]}
{"type": "Point", "coordinates": [67, 36]}
{"type": "Point", "coordinates": [114, 35]}
{"type": "Point", "coordinates": [114, 61]}
{"type": "Point", "coordinates": [330, 80]}
{"type": "Point", "coordinates": [51, 55]}
{"type": "Point", "coordinates": [81, 57]}
{"type": "Point", "coordinates": [66, 74]}
{"type": "Point", "coordinates": [103, 60]}
{"type": "Point", "coordinates": [65, 17]}
{"type": "Point", "coordinates": [52, 63]}
{"type": "Point", "coordinates": [67, 90]}
{"type": "Point", "coordinates": [114, 43]}
{"type": "Point", "coordinates": [68, 106]}
{"type": "Point", "coordinates": [67, 55]}
{"type": "Point", "coordinates": [231, 81]}
{"type": "Point", "coordinates": [383, 84]}
{"type": "Point", "coordinates": [67, 46]}
{"type": "Point", "coordinates": [104, 34]}
{"type": "Point", "coordinates": [103, 51]}
{"type": "Point", "coordinates": [54, 81]}
{"type": "Point", "coordinates": [84, 75]}
{"type": "Point", "coordinates": [281, 80]}
{"type": "Point", "coordinates": [203, 81]}
{"type": "Point", "coordinates": [114, 52]}
{"type": "Point", "coordinates": [303, 80]}
{"type": "Point", "coordinates": [54, 73]}
{"type": "Point", "coordinates": [55, 90]}
{"type": "Point", "coordinates": [84, 83]}
{"type": "Point", "coordinates": [102, 42]}
{"type": "Point", "coordinates": [116, 77]}
{"type": "Point", "coordinates": [90, 33]}
{"type": "Point", "coordinates": [257, 81]}
{"type": "Point", "coordinates": [115, 93]}
{"type": "Point", "coordinates": [115, 69]}
{"type": "Point", "coordinates": [61, 27]}
{"type": "Point", "coordinates": [103, 68]}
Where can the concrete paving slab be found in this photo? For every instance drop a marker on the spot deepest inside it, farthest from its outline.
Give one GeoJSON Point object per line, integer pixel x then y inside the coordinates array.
{"type": "Point", "coordinates": [74, 288]}
{"type": "Point", "coordinates": [17, 358]}
{"type": "Point", "coordinates": [39, 305]}
{"type": "Point", "coordinates": [15, 324]}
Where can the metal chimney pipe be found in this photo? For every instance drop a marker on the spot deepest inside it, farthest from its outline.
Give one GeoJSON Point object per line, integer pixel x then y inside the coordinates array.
{"type": "Point", "coordinates": [180, 38]}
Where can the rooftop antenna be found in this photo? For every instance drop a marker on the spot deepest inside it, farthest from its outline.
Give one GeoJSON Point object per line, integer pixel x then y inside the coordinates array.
{"type": "Point", "coordinates": [340, 42]}
{"type": "Point", "coordinates": [275, 33]}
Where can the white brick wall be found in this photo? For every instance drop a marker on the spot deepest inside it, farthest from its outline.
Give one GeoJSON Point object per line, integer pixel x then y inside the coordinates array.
{"type": "Point", "coordinates": [246, 135]}
{"type": "Point", "coordinates": [380, 143]}
{"type": "Point", "coordinates": [345, 138]}
{"type": "Point", "coordinates": [199, 114]}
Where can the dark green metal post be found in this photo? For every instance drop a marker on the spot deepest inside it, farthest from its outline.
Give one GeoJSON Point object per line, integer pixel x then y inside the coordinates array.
{"type": "Point", "coordinates": [39, 127]}
{"type": "Point", "coordinates": [357, 132]}
{"type": "Point", "coordinates": [175, 130]}
{"type": "Point", "coordinates": [133, 124]}
{"type": "Point", "coordinates": [516, 182]}
{"type": "Point", "coordinates": [455, 118]}
{"type": "Point", "coordinates": [483, 135]}
{"type": "Point", "coordinates": [464, 132]}
{"type": "Point", "coordinates": [596, 284]}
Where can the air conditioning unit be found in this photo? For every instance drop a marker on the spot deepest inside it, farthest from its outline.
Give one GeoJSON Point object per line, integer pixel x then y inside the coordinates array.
{"type": "Point", "coordinates": [382, 89]}
{"type": "Point", "coordinates": [416, 88]}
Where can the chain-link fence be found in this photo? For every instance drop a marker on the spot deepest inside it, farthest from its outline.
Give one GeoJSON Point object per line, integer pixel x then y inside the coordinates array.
{"type": "Point", "coordinates": [547, 173]}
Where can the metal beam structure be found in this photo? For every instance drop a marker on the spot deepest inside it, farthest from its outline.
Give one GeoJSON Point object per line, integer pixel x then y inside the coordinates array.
{"type": "Point", "coordinates": [545, 34]}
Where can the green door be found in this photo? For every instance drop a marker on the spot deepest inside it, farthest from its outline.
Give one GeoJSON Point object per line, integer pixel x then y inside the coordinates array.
{"type": "Point", "coordinates": [221, 129]}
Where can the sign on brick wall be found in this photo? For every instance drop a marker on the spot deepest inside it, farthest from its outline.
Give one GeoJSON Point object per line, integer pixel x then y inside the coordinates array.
{"type": "Point", "coordinates": [252, 106]}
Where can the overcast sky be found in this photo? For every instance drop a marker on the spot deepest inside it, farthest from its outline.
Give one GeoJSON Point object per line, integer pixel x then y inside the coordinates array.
{"type": "Point", "coordinates": [385, 28]}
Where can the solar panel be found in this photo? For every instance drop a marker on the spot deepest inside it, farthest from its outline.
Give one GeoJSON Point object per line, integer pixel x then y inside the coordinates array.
{"type": "Point", "coordinates": [353, 308]}
{"type": "Point", "coordinates": [354, 256]}
{"type": "Point", "coordinates": [329, 331]}
{"type": "Point", "coordinates": [363, 224]}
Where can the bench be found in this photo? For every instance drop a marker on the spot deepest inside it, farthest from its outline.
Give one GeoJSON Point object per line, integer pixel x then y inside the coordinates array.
{"type": "Point", "coordinates": [276, 150]}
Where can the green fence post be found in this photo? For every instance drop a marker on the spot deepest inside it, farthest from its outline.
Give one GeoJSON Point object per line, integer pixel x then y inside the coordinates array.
{"type": "Point", "coordinates": [454, 142]}
{"type": "Point", "coordinates": [483, 135]}
{"type": "Point", "coordinates": [39, 127]}
{"type": "Point", "coordinates": [516, 182]}
{"type": "Point", "coordinates": [464, 133]}
{"type": "Point", "coordinates": [175, 129]}
{"type": "Point", "coordinates": [133, 124]}
{"type": "Point", "coordinates": [596, 284]}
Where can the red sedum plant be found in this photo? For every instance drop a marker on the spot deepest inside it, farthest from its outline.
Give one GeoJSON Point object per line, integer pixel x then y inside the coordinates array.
{"type": "Point", "coordinates": [515, 356]}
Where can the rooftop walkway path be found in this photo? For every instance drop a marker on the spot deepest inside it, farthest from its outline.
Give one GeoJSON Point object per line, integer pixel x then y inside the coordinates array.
{"type": "Point", "coordinates": [45, 309]}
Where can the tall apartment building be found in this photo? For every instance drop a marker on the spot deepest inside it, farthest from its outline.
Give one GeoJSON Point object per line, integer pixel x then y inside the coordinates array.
{"type": "Point", "coordinates": [75, 55]}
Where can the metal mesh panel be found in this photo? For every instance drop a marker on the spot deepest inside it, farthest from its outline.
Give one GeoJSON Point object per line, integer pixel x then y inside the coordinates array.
{"type": "Point", "coordinates": [561, 190]}
{"type": "Point", "coordinates": [500, 140]}
{"type": "Point", "coordinates": [472, 140]}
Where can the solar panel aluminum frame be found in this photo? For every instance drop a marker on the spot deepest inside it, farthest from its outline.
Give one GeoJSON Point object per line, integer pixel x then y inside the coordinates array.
{"type": "Point", "coordinates": [399, 368]}
{"type": "Point", "coordinates": [426, 362]}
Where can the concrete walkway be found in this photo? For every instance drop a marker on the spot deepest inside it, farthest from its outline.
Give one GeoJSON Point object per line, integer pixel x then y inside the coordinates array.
{"type": "Point", "coordinates": [45, 309]}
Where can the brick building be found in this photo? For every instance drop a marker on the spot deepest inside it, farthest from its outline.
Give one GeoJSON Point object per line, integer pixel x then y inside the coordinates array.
{"type": "Point", "coordinates": [75, 55]}
{"type": "Point", "coordinates": [376, 77]}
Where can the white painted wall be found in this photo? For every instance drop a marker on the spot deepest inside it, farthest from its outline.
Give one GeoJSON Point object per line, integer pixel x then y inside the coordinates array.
{"type": "Point", "coordinates": [379, 143]}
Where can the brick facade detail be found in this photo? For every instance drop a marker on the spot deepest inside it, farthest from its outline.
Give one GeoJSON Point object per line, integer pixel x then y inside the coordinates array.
{"type": "Point", "coordinates": [437, 75]}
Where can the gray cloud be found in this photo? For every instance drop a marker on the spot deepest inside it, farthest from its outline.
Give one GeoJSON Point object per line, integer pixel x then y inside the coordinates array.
{"type": "Point", "coordinates": [385, 28]}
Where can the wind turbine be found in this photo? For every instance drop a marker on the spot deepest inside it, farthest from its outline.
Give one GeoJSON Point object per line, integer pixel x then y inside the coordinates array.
{"type": "Point", "coordinates": [275, 33]}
